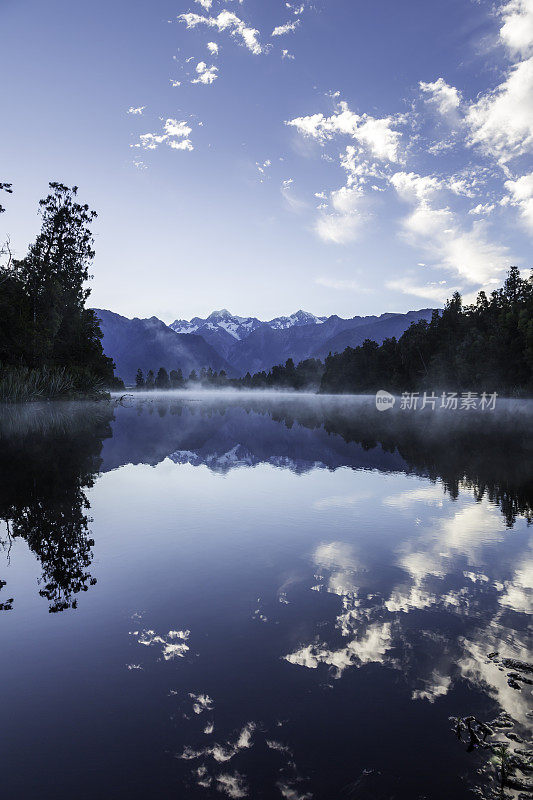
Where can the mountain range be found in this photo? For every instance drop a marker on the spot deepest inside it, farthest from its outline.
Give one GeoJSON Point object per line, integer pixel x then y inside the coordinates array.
{"type": "Point", "coordinates": [238, 344]}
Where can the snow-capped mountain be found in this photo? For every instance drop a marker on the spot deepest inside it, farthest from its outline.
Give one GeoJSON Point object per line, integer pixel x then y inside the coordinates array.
{"type": "Point", "coordinates": [240, 344]}
{"type": "Point", "coordinates": [299, 318]}
{"type": "Point", "coordinates": [240, 327]}
{"type": "Point", "coordinates": [249, 344]}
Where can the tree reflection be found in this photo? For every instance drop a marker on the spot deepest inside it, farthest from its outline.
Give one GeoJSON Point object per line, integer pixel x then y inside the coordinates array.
{"type": "Point", "coordinates": [489, 453]}
{"type": "Point", "coordinates": [49, 457]}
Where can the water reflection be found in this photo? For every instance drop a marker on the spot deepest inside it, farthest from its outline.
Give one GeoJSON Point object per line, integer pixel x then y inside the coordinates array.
{"type": "Point", "coordinates": [488, 453]}
{"type": "Point", "coordinates": [49, 457]}
{"type": "Point", "coordinates": [370, 577]}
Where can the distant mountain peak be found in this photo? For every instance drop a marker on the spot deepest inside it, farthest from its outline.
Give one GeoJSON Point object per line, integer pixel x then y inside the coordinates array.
{"type": "Point", "coordinates": [243, 343]}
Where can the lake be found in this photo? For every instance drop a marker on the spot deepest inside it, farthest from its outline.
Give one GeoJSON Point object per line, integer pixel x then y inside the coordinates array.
{"type": "Point", "coordinates": [265, 596]}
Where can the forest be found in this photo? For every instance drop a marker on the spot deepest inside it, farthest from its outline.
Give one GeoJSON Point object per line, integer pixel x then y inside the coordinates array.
{"type": "Point", "coordinates": [487, 346]}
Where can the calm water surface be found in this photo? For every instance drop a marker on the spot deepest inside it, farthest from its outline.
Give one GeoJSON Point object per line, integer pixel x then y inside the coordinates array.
{"type": "Point", "coordinates": [258, 597]}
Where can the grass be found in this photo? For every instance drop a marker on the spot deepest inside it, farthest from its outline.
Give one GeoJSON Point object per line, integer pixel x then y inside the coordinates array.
{"type": "Point", "coordinates": [23, 384]}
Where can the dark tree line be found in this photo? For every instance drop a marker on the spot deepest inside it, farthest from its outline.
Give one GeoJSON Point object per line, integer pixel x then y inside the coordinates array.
{"type": "Point", "coordinates": [305, 375]}
{"type": "Point", "coordinates": [44, 322]}
{"type": "Point", "coordinates": [175, 379]}
{"type": "Point", "coordinates": [487, 346]}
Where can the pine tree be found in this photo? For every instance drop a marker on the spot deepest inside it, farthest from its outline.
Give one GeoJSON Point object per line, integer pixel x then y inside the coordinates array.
{"type": "Point", "coordinates": [176, 378]}
{"type": "Point", "coordinates": [139, 379]}
{"type": "Point", "coordinates": [162, 381]}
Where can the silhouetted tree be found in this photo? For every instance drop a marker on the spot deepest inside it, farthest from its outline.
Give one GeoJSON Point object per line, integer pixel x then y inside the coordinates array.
{"type": "Point", "coordinates": [44, 295]}
{"type": "Point", "coordinates": [176, 379]}
{"type": "Point", "coordinates": [5, 187]}
{"type": "Point", "coordinates": [139, 379]}
{"type": "Point", "coordinates": [162, 381]}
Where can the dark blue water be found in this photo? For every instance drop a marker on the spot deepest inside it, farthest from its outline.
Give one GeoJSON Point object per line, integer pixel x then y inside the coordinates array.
{"type": "Point", "coordinates": [263, 598]}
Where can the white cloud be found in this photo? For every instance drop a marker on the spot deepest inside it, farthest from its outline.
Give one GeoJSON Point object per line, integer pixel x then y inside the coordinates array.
{"type": "Point", "coordinates": [438, 686]}
{"type": "Point", "coordinates": [517, 29]}
{"type": "Point", "coordinates": [172, 644]}
{"type": "Point", "coordinates": [213, 48]}
{"type": "Point", "coordinates": [286, 54]}
{"type": "Point", "coordinates": [437, 231]}
{"type": "Point", "coordinates": [201, 703]}
{"type": "Point", "coordinates": [205, 74]}
{"type": "Point", "coordinates": [371, 647]}
{"type": "Point", "coordinates": [444, 97]}
{"type": "Point", "coordinates": [461, 186]}
{"type": "Point", "coordinates": [345, 223]}
{"type": "Point", "coordinates": [415, 188]}
{"type": "Point", "coordinates": [205, 4]}
{"type": "Point", "coordinates": [501, 122]}
{"type": "Point", "coordinates": [377, 134]}
{"type": "Point", "coordinates": [521, 193]}
{"type": "Point", "coordinates": [434, 291]}
{"type": "Point", "coordinates": [262, 167]}
{"type": "Point", "coordinates": [431, 495]}
{"type": "Point", "coordinates": [230, 22]}
{"type": "Point", "coordinates": [519, 591]}
{"type": "Point", "coordinates": [136, 110]}
{"type": "Point", "coordinates": [174, 83]}
{"type": "Point", "coordinates": [335, 555]}
{"type": "Point", "coordinates": [280, 30]}
{"type": "Point", "coordinates": [220, 752]}
{"type": "Point", "coordinates": [482, 209]}
{"type": "Point", "coordinates": [176, 135]}
{"type": "Point", "coordinates": [292, 201]}
{"type": "Point", "coordinates": [232, 785]}
{"type": "Point", "coordinates": [296, 9]}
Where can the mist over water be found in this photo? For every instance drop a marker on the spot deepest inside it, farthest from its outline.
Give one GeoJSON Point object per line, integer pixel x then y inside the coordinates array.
{"type": "Point", "coordinates": [253, 592]}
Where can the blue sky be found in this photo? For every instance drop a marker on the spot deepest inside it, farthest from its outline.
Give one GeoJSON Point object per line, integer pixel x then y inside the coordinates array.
{"type": "Point", "coordinates": [367, 157]}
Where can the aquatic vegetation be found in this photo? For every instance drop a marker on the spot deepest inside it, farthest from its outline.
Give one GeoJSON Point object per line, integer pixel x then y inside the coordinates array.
{"type": "Point", "coordinates": [22, 384]}
{"type": "Point", "coordinates": [509, 762]}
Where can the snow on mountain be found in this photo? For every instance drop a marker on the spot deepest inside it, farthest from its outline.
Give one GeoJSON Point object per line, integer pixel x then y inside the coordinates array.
{"type": "Point", "coordinates": [249, 344]}
{"type": "Point", "coordinates": [184, 326]}
{"type": "Point", "coordinates": [240, 327]}
{"type": "Point", "coordinates": [299, 318]}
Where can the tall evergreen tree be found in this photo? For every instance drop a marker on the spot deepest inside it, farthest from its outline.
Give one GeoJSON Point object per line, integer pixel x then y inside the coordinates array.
{"type": "Point", "coordinates": [162, 381]}
{"type": "Point", "coordinates": [176, 378]}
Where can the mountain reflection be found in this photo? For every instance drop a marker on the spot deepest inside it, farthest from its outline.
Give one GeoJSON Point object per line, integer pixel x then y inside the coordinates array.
{"type": "Point", "coordinates": [490, 453]}
{"type": "Point", "coordinates": [279, 624]}
{"type": "Point", "coordinates": [49, 457]}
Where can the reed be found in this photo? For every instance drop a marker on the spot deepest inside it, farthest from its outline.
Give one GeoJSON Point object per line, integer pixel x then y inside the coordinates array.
{"type": "Point", "coordinates": [23, 384]}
